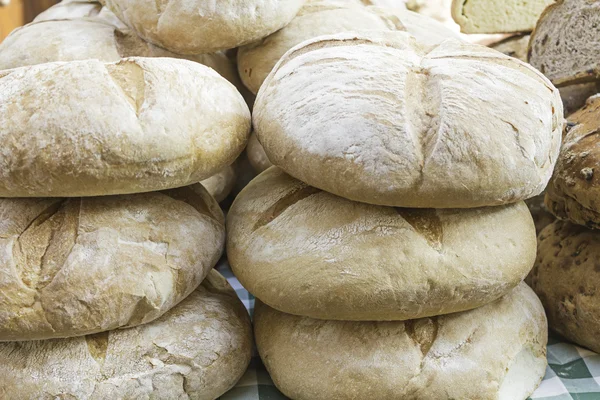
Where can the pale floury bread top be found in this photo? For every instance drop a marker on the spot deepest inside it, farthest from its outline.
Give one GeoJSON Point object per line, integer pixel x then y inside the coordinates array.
{"type": "Point", "coordinates": [574, 191]}
{"type": "Point", "coordinates": [70, 9]}
{"type": "Point", "coordinates": [495, 352]}
{"type": "Point", "coordinates": [196, 351]}
{"type": "Point", "coordinates": [566, 279]}
{"type": "Point", "coordinates": [566, 42]}
{"type": "Point", "coordinates": [498, 16]}
{"type": "Point", "coordinates": [380, 118]}
{"type": "Point", "coordinates": [102, 37]}
{"type": "Point", "coordinates": [204, 26]}
{"type": "Point", "coordinates": [71, 267]}
{"type": "Point", "coordinates": [87, 128]}
{"type": "Point", "coordinates": [307, 252]}
{"type": "Point", "coordinates": [325, 17]}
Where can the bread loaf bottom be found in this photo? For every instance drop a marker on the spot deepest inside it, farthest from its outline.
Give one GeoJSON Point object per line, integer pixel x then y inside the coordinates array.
{"type": "Point", "coordinates": [496, 352]}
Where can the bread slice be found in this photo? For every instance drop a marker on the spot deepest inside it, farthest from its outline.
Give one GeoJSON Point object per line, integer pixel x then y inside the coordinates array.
{"type": "Point", "coordinates": [492, 16]}
{"type": "Point", "coordinates": [566, 41]}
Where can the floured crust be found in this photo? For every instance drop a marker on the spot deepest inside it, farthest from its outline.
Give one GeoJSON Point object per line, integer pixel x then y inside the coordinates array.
{"type": "Point", "coordinates": [574, 191]}
{"type": "Point", "coordinates": [492, 16]}
{"type": "Point", "coordinates": [138, 125]}
{"type": "Point", "coordinates": [198, 350]}
{"type": "Point", "coordinates": [70, 9]}
{"type": "Point", "coordinates": [77, 266]}
{"type": "Point", "coordinates": [307, 252]}
{"type": "Point", "coordinates": [565, 278]}
{"type": "Point", "coordinates": [102, 37]}
{"type": "Point", "coordinates": [495, 352]}
{"type": "Point", "coordinates": [326, 17]}
{"type": "Point", "coordinates": [377, 117]}
{"type": "Point", "coordinates": [200, 26]}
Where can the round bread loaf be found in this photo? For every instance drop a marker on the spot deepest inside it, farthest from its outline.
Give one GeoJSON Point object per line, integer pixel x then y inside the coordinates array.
{"type": "Point", "coordinates": [70, 9]}
{"type": "Point", "coordinates": [103, 38]}
{"type": "Point", "coordinates": [72, 267]}
{"type": "Point", "coordinates": [197, 351]}
{"type": "Point", "coordinates": [204, 26]}
{"type": "Point", "coordinates": [307, 252]}
{"type": "Point", "coordinates": [377, 117]}
{"type": "Point", "coordinates": [325, 17]}
{"type": "Point", "coordinates": [256, 155]}
{"type": "Point", "coordinates": [495, 352]}
{"type": "Point", "coordinates": [565, 277]}
{"type": "Point", "coordinates": [221, 184]}
{"type": "Point", "coordinates": [574, 191]}
{"type": "Point", "coordinates": [138, 125]}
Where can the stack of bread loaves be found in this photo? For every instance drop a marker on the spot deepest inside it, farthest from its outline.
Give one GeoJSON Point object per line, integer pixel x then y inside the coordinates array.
{"type": "Point", "coordinates": [108, 241]}
{"type": "Point", "coordinates": [388, 246]}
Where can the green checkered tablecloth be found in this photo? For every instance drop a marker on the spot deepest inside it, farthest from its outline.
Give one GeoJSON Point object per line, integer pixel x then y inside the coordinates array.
{"type": "Point", "coordinates": [573, 373]}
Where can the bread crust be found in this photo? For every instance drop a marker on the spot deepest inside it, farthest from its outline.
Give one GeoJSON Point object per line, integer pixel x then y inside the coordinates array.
{"type": "Point", "coordinates": [378, 117]}
{"type": "Point", "coordinates": [197, 351]}
{"type": "Point", "coordinates": [495, 352]}
{"type": "Point", "coordinates": [201, 26]}
{"type": "Point", "coordinates": [138, 125]}
{"type": "Point", "coordinates": [307, 252]}
{"type": "Point", "coordinates": [71, 267]}
{"type": "Point", "coordinates": [574, 190]}
{"type": "Point", "coordinates": [565, 278]}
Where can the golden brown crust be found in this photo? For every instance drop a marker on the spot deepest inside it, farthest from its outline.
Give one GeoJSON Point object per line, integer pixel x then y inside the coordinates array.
{"type": "Point", "coordinates": [381, 118]}
{"type": "Point", "coordinates": [574, 190]}
{"type": "Point", "coordinates": [116, 128]}
{"type": "Point", "coordinates": [198, 350]}
{"type": "Point", "coordinates": [307, 252]}
{"type": "Point", "coordinates": [567, 280]}
{"type": "Point", "coordinates": [495, 352]}
{"type": "Point", "coordinates": [77, 266]}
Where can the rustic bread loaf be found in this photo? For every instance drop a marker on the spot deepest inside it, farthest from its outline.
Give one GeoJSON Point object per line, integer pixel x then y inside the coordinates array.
{"type": "Point", "coordinates": [138, 125]}
{"type": "Point", "coordinates": [77, 266]}
{"type": "Point", "coordinates": [325, 17]}
{"type": "Point", "coordinates": [197, 351]}
{"type": "Point", "coordinates": [565, 277]}
{"type": "Point", "coordinates": [574, 190]}
{"type": "Point", "coordinates": [491, 16]}
{"type": "Point", "coordinates": [495, 352]}
{"type": "Point", "coordinates": [566, 41]}
{"type": "Point", "coordinates": [203, 26]}
{"type": "Point", "coordinates": [307, 252]}
{"type": "Point", "coordinates": [377, 117]}
{"type": "Point", "coordinates": [70, 9]}
{"type": "Point", "coordinates": [256, 154]}
{"type": "Point", "coordinates": [513, 46]}
{"type": "Point", "coordinates": [220, 184]}
{"type": "Point", "coordinates": [83, 38]}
